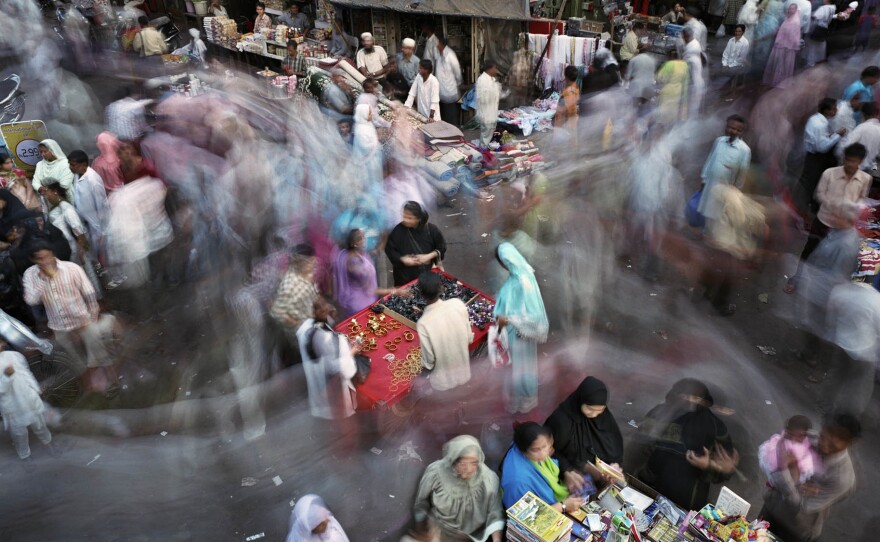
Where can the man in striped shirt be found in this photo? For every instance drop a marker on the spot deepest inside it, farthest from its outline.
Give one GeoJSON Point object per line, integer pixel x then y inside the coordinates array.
{"type": "Point", "coordinates": [71, 306]}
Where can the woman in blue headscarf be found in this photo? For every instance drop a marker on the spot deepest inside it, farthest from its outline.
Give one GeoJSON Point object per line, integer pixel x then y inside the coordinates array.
{"type": "Point", "coordinates": [520, 309]}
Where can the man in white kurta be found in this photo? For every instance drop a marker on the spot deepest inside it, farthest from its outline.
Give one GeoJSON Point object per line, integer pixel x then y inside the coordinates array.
{"type": "Point", "coordinates": [328, 363]}
{"type": "Point", "coordinates": [425, 91]}
{"type": "Point", "coordinates": [727, 164]}
{"type": "Point", "coordinates": [444, 334]}
{"type": "Point", "coordinates": [488, 93]}
{"type": "Point", "coordinates": [20, 402]}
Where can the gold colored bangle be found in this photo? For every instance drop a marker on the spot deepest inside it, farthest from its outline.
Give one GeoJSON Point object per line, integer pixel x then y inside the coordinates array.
{"type": "Point", "coordinates": [408, 335]}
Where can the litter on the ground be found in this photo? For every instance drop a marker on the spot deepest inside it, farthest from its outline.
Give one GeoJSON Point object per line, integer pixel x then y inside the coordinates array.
{"type": "Point", "coordinates": [494, 427]}
{"type": "Point", "coordinates": [247, 481]}
{"type": "Point", "coordinates": [255, 537]}
{"type": "Point", "coordinates": [633, 423]}
{"type": "Point", "coordinates": [767, 350]}
{"type": "Point", "coordinates": [164, 433]}
{"type": "Point", "coordinates": [408, 451]}
{"type": "Point", "coordinates": [392, 496]}
{"type": "Point", "coordinates": [376, 451]}
{"type": "Point", "coordinates": [277, 481]}
{"type": "Point", "coordinates": [764, 298]}
{"type": "Point", "coordinates": [97, 457]}
{"type": "Point", "coordinates": [768, 401]}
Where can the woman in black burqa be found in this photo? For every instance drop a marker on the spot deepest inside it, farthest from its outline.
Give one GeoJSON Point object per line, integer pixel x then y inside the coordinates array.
{"type": "Point", "coordinates": [414, 245]}
{"type": "Point", "coordinates": [682, 447]}
{"type": "Point", "coordinates": [584, 430]}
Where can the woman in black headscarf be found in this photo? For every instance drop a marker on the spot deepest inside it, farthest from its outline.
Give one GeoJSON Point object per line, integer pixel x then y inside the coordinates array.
{"type": "Point", "coordinates": [584, 430]}
{"type": "Point", "coordinates": [686, 445]}
{"type": "Point", "coordinates": [414, 245]}
{"type": "Point", "coordinates": [10, 208]}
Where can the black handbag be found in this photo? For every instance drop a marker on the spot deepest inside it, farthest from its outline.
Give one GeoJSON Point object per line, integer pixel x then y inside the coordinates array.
{"type": "Point", "coordinates": [364, 366]}
{"type": "Point", "coordinates": [820, 33]}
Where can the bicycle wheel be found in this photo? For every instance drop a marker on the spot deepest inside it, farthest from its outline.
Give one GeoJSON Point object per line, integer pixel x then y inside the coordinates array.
{"type": "Point", "coordinates": [60, 381]}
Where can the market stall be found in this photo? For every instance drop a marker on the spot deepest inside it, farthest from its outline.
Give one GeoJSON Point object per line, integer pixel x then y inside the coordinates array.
{"type": "Point", "coordinates": [869, 250]}
{"type": "Point", "coordinates": [630, 511]}
{"type": "Point", "coordinates": [269, 43]}
{"type": "Point", "coordinates": [387, 331]}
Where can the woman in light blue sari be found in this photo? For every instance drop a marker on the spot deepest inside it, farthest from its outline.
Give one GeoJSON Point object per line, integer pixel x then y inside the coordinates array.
{"type": "Point", "coordinates": [520, 309]}
{"type": "Point", "coordinates": [772, 14]}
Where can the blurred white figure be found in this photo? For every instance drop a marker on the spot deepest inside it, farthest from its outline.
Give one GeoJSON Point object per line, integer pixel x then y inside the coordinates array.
{"type": "Point", "coordinates": [311, 521]}
{"type": "Point", "coordinates": [693, 55]}
{"type": "Point", "coordinates": [854, 325]}
{"type": "Point", "coordinates": [138, 226]}
{"type": "Point", "coordinates": [328, 362]}
{"type": "Point", "coordinates": [20, 402]}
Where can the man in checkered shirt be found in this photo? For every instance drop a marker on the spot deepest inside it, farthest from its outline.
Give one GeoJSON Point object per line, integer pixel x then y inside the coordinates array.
{"type": "Point", "coordinates": [293, 63]}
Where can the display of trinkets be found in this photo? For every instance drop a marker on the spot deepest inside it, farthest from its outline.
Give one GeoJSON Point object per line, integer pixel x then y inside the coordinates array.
{"type": "Point", "coordinates": [404, 371]}
{"type": "Point", "coordinates": [481, 313]}
{"type": "Point", "coordinates": [412, 305]}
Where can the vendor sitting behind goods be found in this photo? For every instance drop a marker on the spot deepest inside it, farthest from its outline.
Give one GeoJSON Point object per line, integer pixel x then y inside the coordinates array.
{"type": "Point", "coordinates": [262, 20]}
{"type": "Point", "coordinates": [675, 15]}
{"type": "Point", "coordinates": [293, 63]}
{"type": "Point", "coordinates": [295, 19]}
{"type": "Point", "coordinates": [216, 9]}
{"type": "Point", "coordinates": [631, 45]}
{"type": "Point", "coordinates": [371, 59]}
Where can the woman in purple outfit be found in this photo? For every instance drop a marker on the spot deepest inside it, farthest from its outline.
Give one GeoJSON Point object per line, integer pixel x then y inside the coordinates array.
{"type": "Point", "coordinates": [354, 276]}
{"type": "Point", "coordinates": [783, 57]}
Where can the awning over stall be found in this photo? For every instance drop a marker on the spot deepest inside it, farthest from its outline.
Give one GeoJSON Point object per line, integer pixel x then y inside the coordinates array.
{"type": "Point", "coordinates": [490, 9]}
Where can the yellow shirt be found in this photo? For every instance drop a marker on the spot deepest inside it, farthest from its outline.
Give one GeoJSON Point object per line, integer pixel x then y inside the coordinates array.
{"type": "Point", "coordinates": [149, 42]}
{"type": "Point", "coordinates": [630, 46]}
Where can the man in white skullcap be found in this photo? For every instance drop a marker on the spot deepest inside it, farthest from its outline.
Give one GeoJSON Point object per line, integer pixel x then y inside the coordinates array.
{"type": "Point", "coordinates": [407, 61]}
{"type": "Point", "coordinates": [371, 59]}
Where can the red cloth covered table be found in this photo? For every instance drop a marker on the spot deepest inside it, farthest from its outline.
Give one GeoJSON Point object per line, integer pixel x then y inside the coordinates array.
{"type": "Point", "coordinates": [378, 388]}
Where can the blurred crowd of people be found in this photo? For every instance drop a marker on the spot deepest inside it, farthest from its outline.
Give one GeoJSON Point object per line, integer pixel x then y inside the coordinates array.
{"type": "Point", "coordinates": [283, 221]}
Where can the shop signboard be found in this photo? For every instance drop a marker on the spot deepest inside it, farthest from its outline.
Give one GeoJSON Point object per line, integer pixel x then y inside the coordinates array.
{"type": "Point", "coordinates": [22, 140]}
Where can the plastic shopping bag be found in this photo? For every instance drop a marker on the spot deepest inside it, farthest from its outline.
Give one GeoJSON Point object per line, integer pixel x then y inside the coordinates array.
{"type": "Point", "coordinates": [498, 353]}
{"type": "Point", "coordinates": [693, 217]}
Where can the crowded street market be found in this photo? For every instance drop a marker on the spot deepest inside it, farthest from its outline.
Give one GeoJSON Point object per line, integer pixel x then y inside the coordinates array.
{"type": "Point", "coordinates": [439, 270]}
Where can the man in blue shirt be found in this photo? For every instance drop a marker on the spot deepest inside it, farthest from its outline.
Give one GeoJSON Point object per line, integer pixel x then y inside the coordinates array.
{"type": "Point", "coordinates": [295, 19]}
{"type": "Point", "coordinates": [864, 87]}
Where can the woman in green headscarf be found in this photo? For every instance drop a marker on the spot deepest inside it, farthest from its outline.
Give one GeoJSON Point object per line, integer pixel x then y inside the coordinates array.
{"type": "Point", "coordinates": [520, 309]}
{"type": "Point", "coordinates": [461, 495]}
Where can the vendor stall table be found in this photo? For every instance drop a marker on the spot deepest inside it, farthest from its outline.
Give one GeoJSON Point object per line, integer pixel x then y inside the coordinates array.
{"type": "Point", "coordinates": [389, 356]}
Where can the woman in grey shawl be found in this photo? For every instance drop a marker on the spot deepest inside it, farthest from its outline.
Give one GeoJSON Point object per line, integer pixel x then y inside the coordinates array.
{"type": "Point", "coordinates": [461, 495]}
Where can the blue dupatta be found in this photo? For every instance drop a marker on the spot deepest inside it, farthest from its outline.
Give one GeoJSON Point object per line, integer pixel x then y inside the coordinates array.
{"type": "Point", "coordinates": [519, 476]}
{"type": "Point", "coordinates": [519, 299]}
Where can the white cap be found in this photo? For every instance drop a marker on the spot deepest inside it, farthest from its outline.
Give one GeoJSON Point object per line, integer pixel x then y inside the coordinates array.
{"type": "Point", "coordinates": [853, 5]}
{"type": "Point", "coordinates": [409, 42]}
{"type": "Point", "coordinates": [366, 35]}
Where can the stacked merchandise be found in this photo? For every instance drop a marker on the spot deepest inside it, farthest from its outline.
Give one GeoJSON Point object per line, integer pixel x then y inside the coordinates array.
{"type": "Point", "coordinates": [622, 512]}
{"type": "Point", "coordinates": [869, 251]}
{"type": "Point", "coordinates": [221, 31]}
{"type": "Point", "coordinates": [252, 43]}
{"type": "Point", "coordinates": [532, 520]}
